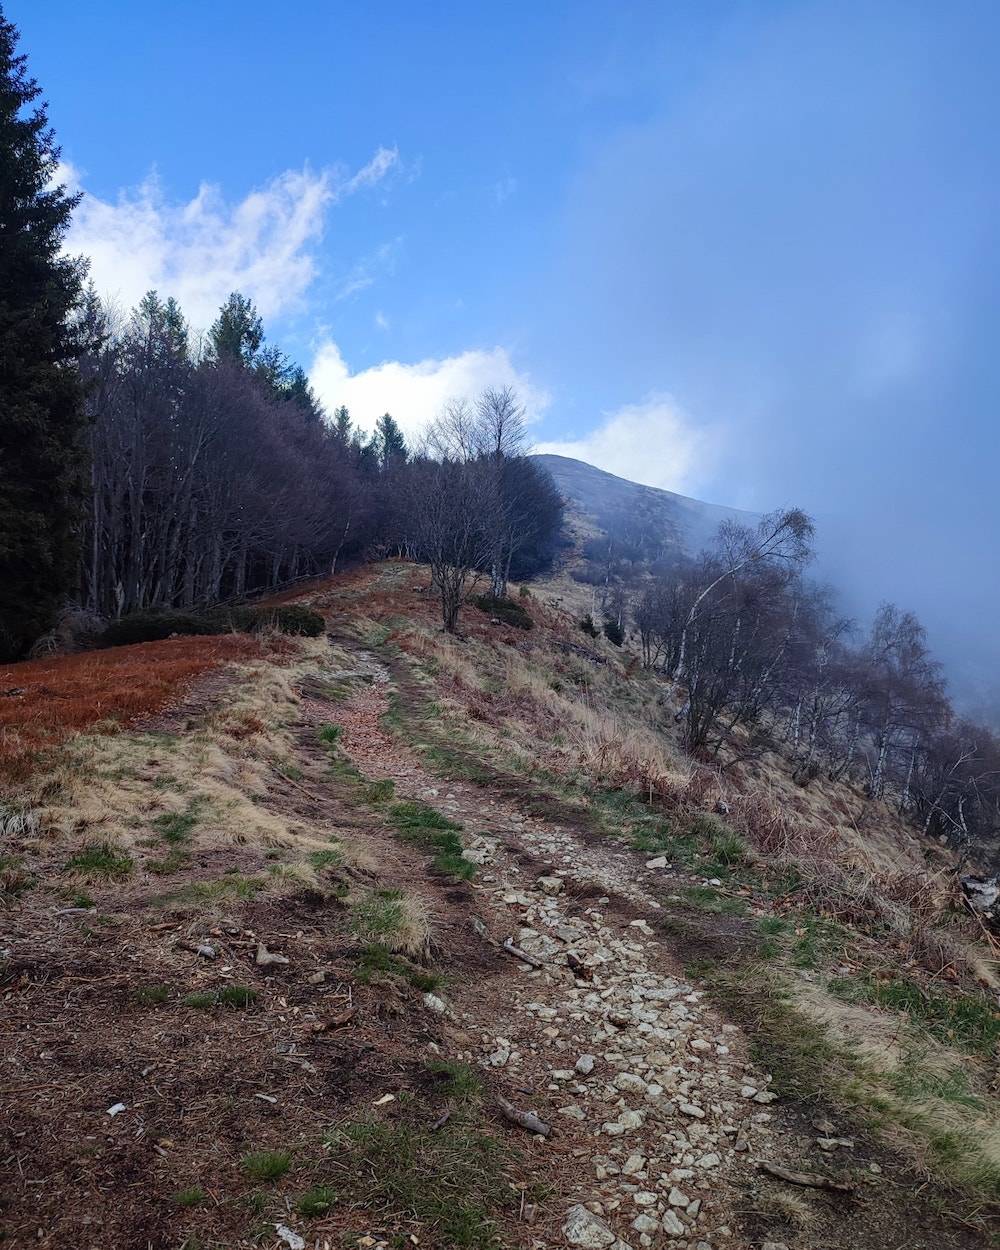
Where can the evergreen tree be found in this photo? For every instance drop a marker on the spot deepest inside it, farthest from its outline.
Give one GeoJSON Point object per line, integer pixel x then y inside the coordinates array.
{"type": "Point", "coordinates": [238, 332]}
{"type": "Point", "coordinates": [41, 401]}
{"type": "Point", "coordinates": [388, 443]}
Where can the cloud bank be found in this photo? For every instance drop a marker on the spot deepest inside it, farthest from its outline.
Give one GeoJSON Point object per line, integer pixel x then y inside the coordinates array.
{"type": "Point", "coordinates": [200, 250]}
{"type": "Point", "coordinates": [416, 393]}
{"type": "Point", "coordinates": [654, 442]}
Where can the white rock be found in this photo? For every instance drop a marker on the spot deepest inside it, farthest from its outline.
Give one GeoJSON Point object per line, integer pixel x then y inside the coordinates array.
{"type": "Point", "coordinates": [585, 1064]}
{"type": "Point", "coordinates": [291, 1239]}
{"type": "Point", "coordinates": [550, 885]}
{"type": "Point", "coordinates": [690, 1109]}
{"type": "Point", "coordinates": [672, 1225]}
{"type": "Point", "coordinates": [633, 1164]}
{"type": "Point", "coordinates": [646, 1223]}
{"type": "Point", "coordinates": [677, 1198]}
{"type": "Point", "coordinates": [433, 1003]}
{"type": "Point", "coordinates": [765, 1096]}
{"type": "Point", "coordinates": [584, 1228]}
{"type": "Point", "coordinates": [659, 862]}
{"type": "Point", "coordinates": [644, 1198]}
{"type": "Point", "coordinates": [711, 1160]}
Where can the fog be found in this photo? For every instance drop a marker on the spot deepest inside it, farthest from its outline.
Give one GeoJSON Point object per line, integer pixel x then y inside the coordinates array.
{"type": "Point", "coordinates": [795, 232]}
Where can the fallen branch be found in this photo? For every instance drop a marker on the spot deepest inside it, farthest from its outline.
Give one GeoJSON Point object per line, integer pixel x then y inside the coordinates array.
{"type": "Point", "coordinates": [813, 1180]}
{"type": "Point", "coordinates": [523, 1119]}
{"type": "Point", "coordinates": [516, 951]}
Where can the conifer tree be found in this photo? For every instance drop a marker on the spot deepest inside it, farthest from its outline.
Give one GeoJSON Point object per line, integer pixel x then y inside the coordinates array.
{"type": "Point", "coordinates": [41, 404]}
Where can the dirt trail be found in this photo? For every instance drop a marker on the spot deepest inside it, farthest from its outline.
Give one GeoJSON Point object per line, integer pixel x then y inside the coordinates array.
{"type": "Point", "coordinates": [657, 1108]}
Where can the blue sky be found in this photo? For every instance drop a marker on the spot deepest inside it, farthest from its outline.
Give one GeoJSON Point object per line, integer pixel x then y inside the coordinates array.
{"type": "Point", "coordinates": [744, 250]}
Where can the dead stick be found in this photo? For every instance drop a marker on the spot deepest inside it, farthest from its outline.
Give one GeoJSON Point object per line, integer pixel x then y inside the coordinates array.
{"type": "Point", "coordinates": [811, 1179]}
{"type": "Point", "coordinates": [523, 1119]}
{"type": "Point", "coordinates": [516, 951]}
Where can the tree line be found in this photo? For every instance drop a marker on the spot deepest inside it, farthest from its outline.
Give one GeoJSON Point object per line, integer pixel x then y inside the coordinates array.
{"type": "Point", "coordinates": [144, 467]}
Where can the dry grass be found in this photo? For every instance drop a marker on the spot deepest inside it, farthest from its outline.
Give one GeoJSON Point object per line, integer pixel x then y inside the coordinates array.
{"type": "Point", "coordinates": [44, 701]}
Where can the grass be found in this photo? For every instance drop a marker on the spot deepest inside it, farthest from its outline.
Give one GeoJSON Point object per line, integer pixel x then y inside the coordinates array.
{"type": "Point", "coordinates": [192, 1197]}
{"type": "Point", "coordinates": [266, 1165]}
{"type": "Point", "coordinates": [69, 694]}
{"type": "Point", "coordinates": [806, 1065]}
{"type": "Point", "coordinates": [316, 1201]}
{"type": "Point", "coordinates": [378, 914]}
{"type": "Point", "coordinates": [151, 995]}
{"type": "Point", "coordinates": [707, 898]}
{"type": "Point", "coordinates": [101, 859]}
{"type": "Point", "coordinates": [332, 858]}
{"type": "Point", "coordinates": [427, 828]}
{"type": "Point", "coordinates": [235, 997]}
{"type": "Point", "coordinates": [377, 959]}
{"type": "Point", "coordinates": [232, 886]}
{"type": "Point", "coordinates": [330, 734]}
{"type": "Point", "coordinates": [967, 1021]}
{"type": "Point", "coordinates": [175, 827]}
{"type": "Point", "coordinates": [451, 1182]}
{"type": "Point", "coordinates": [456, 1079]}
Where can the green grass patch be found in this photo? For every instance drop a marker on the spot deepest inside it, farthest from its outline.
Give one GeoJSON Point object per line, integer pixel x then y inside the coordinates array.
{"type": "Point", "coordinates": [192, 1197]}
{"type": "Point", "coordinates": [176, 827]}
{"type": "Point", "coordinates": [380, 791]}
{"type": "Point", "coordinates": [326, 859]}
{"type": "Point", "coordinates": [707, 898]}
{"type": "Point", "coordinates": [235, 997]}
{"type": "Point", "coordinates": [101, 859]}
{"type": "Point", "coordinates": [452, 1182]}
{"type": "Point", "coordinates": [427, 828]}
{"type": "Point", "coordinates": [968, 1021]}
{"type": "Point", "coordinates": [330, 734]}
{"type": "Point", "coordinates": [151, 995]}
{"type": "Point", "coordinates": [378, 914]}
{"type": "Point", "coordinates": [266, 1165]}
{"type": "Point", "coordinates": [375, 960]}
{"type": "Point", "coordinates": [316, 1201]}
{"type": "Point", "coordinates": [201, 1000]}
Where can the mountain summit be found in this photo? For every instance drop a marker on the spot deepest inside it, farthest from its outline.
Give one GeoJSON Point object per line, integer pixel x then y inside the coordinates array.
{"type": "Point", "coordinates": [598, 498]}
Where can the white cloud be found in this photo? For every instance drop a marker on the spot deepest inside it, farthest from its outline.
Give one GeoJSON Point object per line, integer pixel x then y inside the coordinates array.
{"type": "Point", "coordinates": [504, 189]}
{"type": "Point", "coordinates": [381, 320]}
{"type": "Point", "coordinates": [654, 442]}
{"type": "Point", "coordinates": [201, 250]}
{"type": "Point", "coordinates": [367, 270]}
{"type": "Point", "coordinates": [416, 393]}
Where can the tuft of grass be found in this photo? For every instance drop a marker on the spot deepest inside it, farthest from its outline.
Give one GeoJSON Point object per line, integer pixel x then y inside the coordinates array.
{"type": "Point", "coordinates": [456, 1079]}
{"type": "Point", "coordinates": [707, 898]}
{"type": "Point", "coordinates": [967, 1020]}
{"type": "Point", "coordinates": [377, 959]}
{"type": "Point", "coordinates": [380, 791]}
{"type": "Point", "coordinates": [192, 1197]}
{"type": "Point", "coordinates": [326, 859]}
{"type": "Point", "coordinates": [150, 995]}
{"type": "Point", "coordinates": [101, 859]}
{"type": "Point", "coordinates": [378, 915]}
{"type": "Point", "coordinates": [316, 1201]}
{"type": "Point", "coordinates": [238, 997]}
{"type": "Point", "coordinates": [266, 1165]}
{"type": "Point", "coordinates": [175, 827]}
{"type": "Point", "coordinates": [330, 734]}
{"type": "Point", "coordinates": [172, 862]}
{"type": "Point", "coordinates": [427, 828]}
{"type": "Point", "coordinates": [82, 899]}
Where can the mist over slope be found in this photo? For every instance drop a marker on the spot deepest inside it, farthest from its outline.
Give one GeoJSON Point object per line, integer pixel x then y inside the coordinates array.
{"type": "Point", "coordinates": [598, 499]}
{"type": "Point", "coordinates": [601, 497]}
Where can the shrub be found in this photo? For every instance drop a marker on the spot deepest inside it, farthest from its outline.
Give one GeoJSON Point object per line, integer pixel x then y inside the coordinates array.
{"type": "Point", "coordinates": [155, 626]}
{"type": "Point", "coordinates": [614, 632]}
{"type": "Point", "coordinates": [588, 626]}
{"type": "Point", "coordinates": [507, 611]}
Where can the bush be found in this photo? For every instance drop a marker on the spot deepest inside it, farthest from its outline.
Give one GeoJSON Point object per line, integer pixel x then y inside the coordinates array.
{"type": "Point", "coordinates": [288, 619]}
{"type": "Point", "coordinates": [588, 626]}
{"type": "Point", "coordinates": [155, 626]}
{"type": "Point", "coordinates": [614, 632]}
{"type": "Point", "coordinates": [505, 610]}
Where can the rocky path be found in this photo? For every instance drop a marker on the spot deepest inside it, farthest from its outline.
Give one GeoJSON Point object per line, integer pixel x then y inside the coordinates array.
{"type": "Point", "coordinates": [657, 1112]}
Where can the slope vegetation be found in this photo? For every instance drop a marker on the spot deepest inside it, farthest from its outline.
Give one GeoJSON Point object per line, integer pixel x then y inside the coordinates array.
{"type": "Point", "coordinates": [387, 938]}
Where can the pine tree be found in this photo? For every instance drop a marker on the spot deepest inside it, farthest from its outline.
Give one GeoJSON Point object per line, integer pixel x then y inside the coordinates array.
{"type": "Point", "coordinates": [41, 400]}
{"type": "Point", "coordinates": [388, 443]}
{"type": "Point", "coordinates": [238, 332]}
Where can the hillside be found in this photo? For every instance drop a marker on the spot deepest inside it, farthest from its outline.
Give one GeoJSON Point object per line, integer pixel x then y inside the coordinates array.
{"type": "Point", "coordinates": [301, 932]}
{"type": "Point", "coordinates": [598, 498]}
